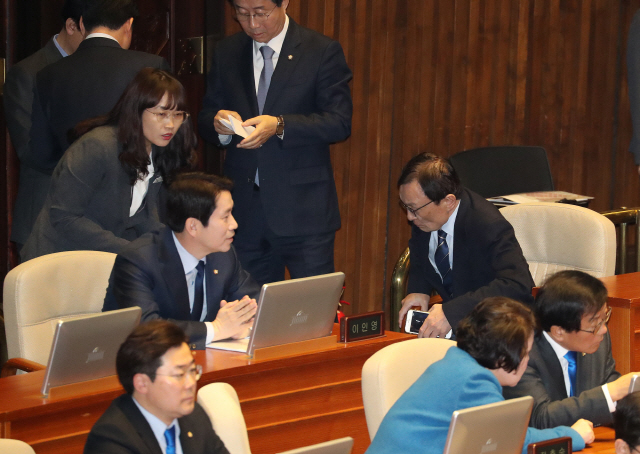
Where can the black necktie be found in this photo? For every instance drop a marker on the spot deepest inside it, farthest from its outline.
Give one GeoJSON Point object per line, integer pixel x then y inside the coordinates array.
{"type": "Point", "coordinates": [198, 294]}
{"type": "Point", "coordinates": [442, 262]}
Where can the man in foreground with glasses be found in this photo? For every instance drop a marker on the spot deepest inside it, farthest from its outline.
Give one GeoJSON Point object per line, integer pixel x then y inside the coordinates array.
{"type": "Point", "coordinates": [487, 259]}
{"type": "Point", "coordinates": [571, 373]}
{"type": "Point", "coordinates": [291, 83]}
{"type": "Point", "coordinates": [159, 412]}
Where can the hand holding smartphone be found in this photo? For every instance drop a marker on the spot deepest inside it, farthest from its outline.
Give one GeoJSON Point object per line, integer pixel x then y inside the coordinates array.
{"type": "Point", "coordinates": [415, 319]}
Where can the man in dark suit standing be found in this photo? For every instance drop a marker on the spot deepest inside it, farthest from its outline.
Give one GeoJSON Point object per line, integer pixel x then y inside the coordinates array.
{"type": "Point", "coordinates": [18, 98]}
{"type": "Point", "coordinates": [189, 272]}
{"type": "Point", "coordinates": [86, 84]}
{"type": "Point", "coordinates": [460, 245]}
{"type": "Point", "coordinates": [291, 83]}
{"type": "Point", "coordinates": [571, 373]}
{"type": "Point", "coordinates": [159, 413]}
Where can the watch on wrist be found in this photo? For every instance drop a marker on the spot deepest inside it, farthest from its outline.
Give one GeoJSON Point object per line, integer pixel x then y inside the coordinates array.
{"type": "Point", "coordinates": [280, 127]}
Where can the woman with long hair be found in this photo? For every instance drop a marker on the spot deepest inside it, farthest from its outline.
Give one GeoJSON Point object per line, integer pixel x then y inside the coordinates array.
{"type": "Point", "coordinates": [106, 189]}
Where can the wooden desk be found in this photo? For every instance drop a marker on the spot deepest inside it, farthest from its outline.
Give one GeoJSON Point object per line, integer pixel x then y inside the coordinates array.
{"type": "Point", "coordinates": [287, 403]}
{"type": "Point", "coordinates": [624, 326]}
{"type": "Point", "coordinates": [605, 438]}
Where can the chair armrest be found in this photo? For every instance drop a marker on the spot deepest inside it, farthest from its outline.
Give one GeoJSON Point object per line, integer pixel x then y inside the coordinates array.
{"type": "Point", "coordinates": [15, 364]}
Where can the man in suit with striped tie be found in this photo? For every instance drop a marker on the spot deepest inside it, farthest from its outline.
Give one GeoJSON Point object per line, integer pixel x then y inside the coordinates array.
{"type": "Point", "coordinates": [571, 373]}
{"type": "Point", "coordinates": [487, 259]}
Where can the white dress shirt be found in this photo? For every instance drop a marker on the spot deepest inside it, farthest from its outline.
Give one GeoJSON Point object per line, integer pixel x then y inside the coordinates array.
{"type": "Point", "coordinates": [139, 190]}
{"type": "Point", "coordinates": [158, 428]}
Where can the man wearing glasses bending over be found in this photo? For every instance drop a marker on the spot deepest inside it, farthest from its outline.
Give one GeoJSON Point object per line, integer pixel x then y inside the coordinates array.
{"type": "Point", "coordinates": [159, 412]}
{"type": "Point", "coordinates": [461, 246]}
{"type": "Point", "coordinates": [571, 373]}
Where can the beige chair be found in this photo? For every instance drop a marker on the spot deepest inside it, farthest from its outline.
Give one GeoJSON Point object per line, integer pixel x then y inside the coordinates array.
{"type": "Point", "coordinates": [557, 236]}
{"type": "Point", "coordinates": [392, 370]}
{"type": "Point", "coordinates": [41, 291]}
{"type": "Point", "coordinates": [221, 403]}
{"type": "Point", "coordinates": [15, 447]}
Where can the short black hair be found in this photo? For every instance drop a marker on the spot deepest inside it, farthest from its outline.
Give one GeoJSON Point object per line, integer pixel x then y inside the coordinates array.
{"type": "Point", "coordinates": [566, 297]}
{"type": "Point", "coordinates": [193, 195]}
{"type": "Point", "coordinates": [435, 175]}
{"type": "Point", "coordinates": [496, 333]}
{"type": "Point", "coordinates": [108, 13]}
{"type": "Point", "coordinates": [278, 3]}
{"type": "Point", "coordinates": [142, 351]}
{"type": "Point", "coordinates": [72, 9]}
{"type": "Point", "coordinates": [626, 420]}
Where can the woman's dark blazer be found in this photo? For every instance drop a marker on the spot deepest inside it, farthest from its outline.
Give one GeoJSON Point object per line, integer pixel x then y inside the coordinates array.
{"type": "Point", "coordinates": [87, 207]}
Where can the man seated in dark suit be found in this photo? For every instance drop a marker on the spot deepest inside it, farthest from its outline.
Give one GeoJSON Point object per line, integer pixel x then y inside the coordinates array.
{"type": "Point", "coordinates": [159, 412]}
{"type": "Point", "coordinates": [571, 373]}
{"type": "Point", "coordinates": [626, 422]}
{"type": "Point", "coordinates": [86, 84]}
{"type": "Point", "coordinates": [188, 272]}
{"type": "Point", "coordinates": [18, 98]}
{"type": "Point", "coordinates": [461, 246]}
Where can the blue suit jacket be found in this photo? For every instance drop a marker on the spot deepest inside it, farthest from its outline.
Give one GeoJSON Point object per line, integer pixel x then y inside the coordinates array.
{"type": "Point", "coordinates": [149, 273]}
{"type": "Point", "coordinates": [487, 260]}
{"type": "Point", "coordinates": [419, 420]}
{"type": "Point", "coordinates": [309, 88]}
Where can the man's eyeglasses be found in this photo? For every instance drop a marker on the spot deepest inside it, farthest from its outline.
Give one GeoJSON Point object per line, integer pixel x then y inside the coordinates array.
{"type": "Point", "coordinates": [178, 116]}
{"type": "Point", "coordinates": [258, 17]}
{"type": "Point", "coordinates": [414, 211]}
{"type": "Point", "coordinates": [195, 372]}
{"type": "Point", "coordinates": [596, 328]}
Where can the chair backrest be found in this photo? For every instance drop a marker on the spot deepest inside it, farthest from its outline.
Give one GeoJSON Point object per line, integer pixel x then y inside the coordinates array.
{"type": "Point", "coordinates": [557, 236]}
{"type": "Point", "coordinates": [41, 291]}
{"type": "Point", "coordinates": [392, 370]}
{"type": "Point", "coordinates": [15, 447]}
{"type": "Point", "coordinates": [221, 403]}
{"type": "Point", "coordinates": [495, 171]}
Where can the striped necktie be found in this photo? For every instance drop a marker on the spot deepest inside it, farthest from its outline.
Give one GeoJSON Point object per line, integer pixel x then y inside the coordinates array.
{"type": "Point", "coordinates": [442, 262]}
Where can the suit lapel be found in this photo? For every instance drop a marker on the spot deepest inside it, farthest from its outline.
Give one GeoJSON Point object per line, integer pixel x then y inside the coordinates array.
{"type": "Point", "coordinates": [141, 425]}
{"type": "Point", "coordinates": [556, 377]}
{"type": "Point", "coordinates": [287, 62]}
{"type": "Point", "coordinates": [460, 242]}
{"type": "Point", "coordinates": [173, 274]}
{"type": "Point", "coordinates": [212, 274]}
{"type": "Point", "coordinates": [245, 74]}
{"type": "Point", "coordinates": [124, 189]}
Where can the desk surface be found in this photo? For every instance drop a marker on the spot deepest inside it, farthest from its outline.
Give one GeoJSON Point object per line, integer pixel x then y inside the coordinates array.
{"type": "Point", "coordinates": [623, 289]}
{"type": "Point", "coordinates": [287, 402]}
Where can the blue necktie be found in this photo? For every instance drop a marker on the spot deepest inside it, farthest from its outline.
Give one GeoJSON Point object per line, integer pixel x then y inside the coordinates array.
{"type": "Point", "coordinates": [265, 76]}
{"type": "Point", "coordinates": [198, 294]}
{"type": "Point", "coordinates": [442, 262]}
{"type": "Point", "coordinates": [170, 438]}
{"type": "Point", "coordinates": [573, 367]}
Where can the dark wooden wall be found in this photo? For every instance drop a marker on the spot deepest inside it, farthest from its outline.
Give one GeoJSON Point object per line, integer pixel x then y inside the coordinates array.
{"type": "Point", "coordinates": [449, 75]}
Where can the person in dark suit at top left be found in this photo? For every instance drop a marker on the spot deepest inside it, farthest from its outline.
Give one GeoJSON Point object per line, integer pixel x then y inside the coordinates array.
{"type": "Point", "coordinates": [158, 414]}
{"type": "Point", "coordinates": [86, 84]}
{"type": "Point", "coordinates": [188, 272]}
{"type": "Point", "coordinates": [107, 189]}
{"type": "Point", "coordinates": [18, 99]}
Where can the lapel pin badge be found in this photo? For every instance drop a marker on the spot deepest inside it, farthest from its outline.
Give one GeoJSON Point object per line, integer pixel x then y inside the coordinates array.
{"type": "Point", "coordinates": [290, 57]}
{"type": "Point", "coordinates": [215, 271]}
{"type": "Point", "coordinates": [189, 434]}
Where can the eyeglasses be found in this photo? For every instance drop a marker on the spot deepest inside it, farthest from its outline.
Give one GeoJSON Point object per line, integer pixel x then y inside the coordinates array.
{"type": "Point", "coordinates": [195, 372]}
{"type": "Point", "coordinates": [178, 116]}
{"type": "Point", "coordinates": [414, 211]}
{"type": "Point", "coordinates": [258, 17]}
{"type": "Point", "coordinates": [596, 329]}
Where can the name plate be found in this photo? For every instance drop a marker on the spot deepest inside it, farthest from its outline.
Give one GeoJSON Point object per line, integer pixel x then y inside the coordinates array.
{"type": "Point", "coordinates": [554, 446]}
{"type": "Point", "coordinates": [362, 326]}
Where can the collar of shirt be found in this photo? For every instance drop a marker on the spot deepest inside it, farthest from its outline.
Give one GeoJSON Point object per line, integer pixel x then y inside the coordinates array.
{"type": "Point", "coordinates": [275, 44]}
{"type": "Point", "coordinates": [60, 49]}
{"type": "Point", "coordinates": [158, 428]}
{"type": "Point", "coordinates": [101, 35]}
{"type": "Point", "coordinates": [449, 228]}
{"type": "Point", "coordinates": [189, 262]}
{"type": "Point", "coordinates": [560, 351]}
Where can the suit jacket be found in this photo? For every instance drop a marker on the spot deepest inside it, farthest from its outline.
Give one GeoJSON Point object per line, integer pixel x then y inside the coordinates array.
{"type": "Point", "coordinates": [487, 260]}
{"type": "Point", "coordinates": [149, 273]}
{"type": "Point", "coordinates": [86, 84]}
{"type": "Point", "coordinates": [18, 98]}
{"type": "Point", "coordinates": [88, 204]}
{"type": "Point", "coordinates": [309, 88]}
{"type": "Point", "coordinates": [122, 429]}
{"type": "Point", "coordinates": [419, 420]}
{"type": "Point", "coordinates": [544, 380]}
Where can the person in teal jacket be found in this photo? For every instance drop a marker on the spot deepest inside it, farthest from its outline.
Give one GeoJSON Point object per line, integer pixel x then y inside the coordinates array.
{"type": "Point", "coordinates": [494, 341]}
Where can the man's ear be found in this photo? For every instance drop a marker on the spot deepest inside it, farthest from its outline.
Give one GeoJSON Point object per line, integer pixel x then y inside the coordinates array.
{"type": "Point", "coordinates": [557, 333]}
{"type": "Point", "coordinates": [71, 27]}
{"type": "Point", "coordinates": [191, 226]}
{"type": "Point", "coordinates": [127, 25]}
{"type": "Point", "coordinates": [141, 383]}
{"type": "Point", "coordinates": [450, 201]}
{"type": "Point", "coordinates": [82, 29]}
{"type": "Point", "coordinates": [622, 447]}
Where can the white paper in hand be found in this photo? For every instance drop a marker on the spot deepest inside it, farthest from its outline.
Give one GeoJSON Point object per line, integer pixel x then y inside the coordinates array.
{"type": "Point", "coordinates": [236, 126]}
